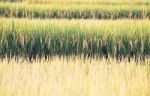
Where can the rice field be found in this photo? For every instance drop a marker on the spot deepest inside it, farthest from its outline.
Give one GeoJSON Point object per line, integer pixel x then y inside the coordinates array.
{"type": "Point", "coordinates": [68, 37]}
{"type": "Point", "coordinates": [74, 76]}
{"type": "Point", "coordinates": [74, 48]}
{"type": "Point", "coordinates": [82, 1]}
{"type": "Point", "coordinates": [75, 11]}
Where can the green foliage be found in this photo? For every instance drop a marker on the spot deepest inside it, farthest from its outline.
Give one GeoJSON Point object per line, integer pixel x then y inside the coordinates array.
{"type": "Point", "coordinates": [20, 36]}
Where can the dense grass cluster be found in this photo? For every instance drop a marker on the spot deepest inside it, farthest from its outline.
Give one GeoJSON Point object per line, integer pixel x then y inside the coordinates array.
{"type": "Point", "coordinates": [51, 37]}
{"type": "Point", "coordinates": [118, 38]}
{"type": "Point", "coordinates": [74, 11]}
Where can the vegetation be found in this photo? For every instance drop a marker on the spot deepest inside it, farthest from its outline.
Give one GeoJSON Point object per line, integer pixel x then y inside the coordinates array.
{"type": "Point", "coordinates": [82, 1]}
{"type": "Point", "coordinates": [74, 76]}
{"type": "Point", "coordinates": [74, 47]}
{"type": "Point", "coordinates": [66, 37]}
{"type": "Point", "coordinates": [74, 11]}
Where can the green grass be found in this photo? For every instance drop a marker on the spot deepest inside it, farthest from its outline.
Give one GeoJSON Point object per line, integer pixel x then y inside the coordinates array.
{"type": "Point", "coordinates": [74, 11]}
{"type": "Point", "coordinates": [20, 36]}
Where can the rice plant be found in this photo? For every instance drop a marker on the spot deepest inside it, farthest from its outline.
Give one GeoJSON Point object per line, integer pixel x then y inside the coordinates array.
{"type": "Point", "coordinates": [67, 76]}
{"type": "Point", "coordinates": [74, 11]}
{"type": "Point", "coordinates": [25, 37]}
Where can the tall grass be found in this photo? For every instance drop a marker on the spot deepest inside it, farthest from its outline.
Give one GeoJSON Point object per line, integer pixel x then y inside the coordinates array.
{"type": "Point", "coordinates": [72, 11]}
{"type": "Point", "coordinates": [65, 37]}
{"type": "Point", "coordinates": [74, 76]}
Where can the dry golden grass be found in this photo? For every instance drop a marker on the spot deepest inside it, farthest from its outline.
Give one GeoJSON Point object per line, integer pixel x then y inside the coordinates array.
{"type": "Point", "coordinates": [74, 76]}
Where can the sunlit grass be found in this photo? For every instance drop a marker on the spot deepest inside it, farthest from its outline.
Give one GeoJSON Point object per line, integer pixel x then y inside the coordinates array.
{"type": "Point", "coordinates": [74, 11]}
{"type": "Point", "coordinates": [74, 76]}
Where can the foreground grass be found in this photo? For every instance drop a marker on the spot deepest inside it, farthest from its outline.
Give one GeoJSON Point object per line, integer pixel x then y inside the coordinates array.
{"type": "Point", "coordinates": [74, 76]}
